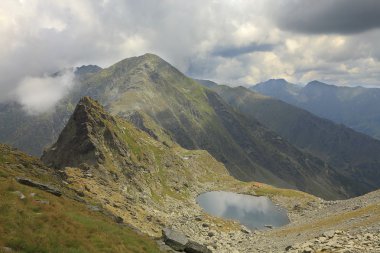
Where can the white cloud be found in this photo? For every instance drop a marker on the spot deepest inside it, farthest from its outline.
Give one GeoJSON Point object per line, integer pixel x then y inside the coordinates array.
{"type": "Point", "coordinates": [40, 94]}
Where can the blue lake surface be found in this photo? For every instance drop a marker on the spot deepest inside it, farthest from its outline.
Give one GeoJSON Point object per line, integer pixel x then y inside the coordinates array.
{"type": "Point", "coordinates": [253, 212]}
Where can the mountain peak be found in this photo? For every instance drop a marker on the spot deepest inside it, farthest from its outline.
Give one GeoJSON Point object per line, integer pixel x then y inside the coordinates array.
{"type": "Point", "coordinates": [279, 81]}
{"type": "Point", "coordinates": [316, 83]}
{"type": "Point", "coordinates": [89, 111]}
{"type": "Point", "coordinates": [143, 64]}
{"type": "Point", "coordinates": [276, 85]}
{"type": "Point", "coordinates": [145, 58]}
{"type": "Point", "coordinates": [150, 56]}
{"type": "Point", "coordinates": [83, 138]}
{"type": "Point", "coordinates": [87, 69]}
{"type": "Point", "coordinates": [86, 103]}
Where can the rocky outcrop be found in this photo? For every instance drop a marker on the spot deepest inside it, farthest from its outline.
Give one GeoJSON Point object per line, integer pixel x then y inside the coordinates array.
{"type": "Point", "coordinates": [40, 186]}
{"type": "Point", "coordinates": [180, 242]}
{"type": "Point", "coordinates": [84, 138]}
{"type": "Point", "coordinates": [194, 247]}
{"type": "Point", "coordinates": [174, 239]}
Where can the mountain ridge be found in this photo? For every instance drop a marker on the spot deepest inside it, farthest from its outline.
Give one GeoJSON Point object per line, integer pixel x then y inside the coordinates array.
{"type": "Point", "coordinates": [350, 152]}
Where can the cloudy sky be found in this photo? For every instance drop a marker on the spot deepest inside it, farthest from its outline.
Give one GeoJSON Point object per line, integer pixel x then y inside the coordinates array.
{"type": "Point", "coordinates": [229, 41]}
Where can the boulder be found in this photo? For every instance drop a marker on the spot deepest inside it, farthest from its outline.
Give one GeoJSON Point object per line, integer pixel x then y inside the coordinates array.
{"type": "Point", "coordinates": [20, 194]}
{"type": "Point", "coordinates": [245, 230]}
{"type": "Point", "coordinates": [6, 249]}
{"type": "Point", "coordinates": [329, 234]}
{"type": "Point", "coordinates": [194, 247]}
{"type": "Point", "coordinates": [174, 239]}
{"type": "Point", "coordinates": [40, 186]}
{"type": "Point", "coordinates": [119, 220]}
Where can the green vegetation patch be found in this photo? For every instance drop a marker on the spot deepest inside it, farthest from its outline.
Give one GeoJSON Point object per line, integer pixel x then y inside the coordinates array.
{"type": "Point", "coordinates": [46, 223]}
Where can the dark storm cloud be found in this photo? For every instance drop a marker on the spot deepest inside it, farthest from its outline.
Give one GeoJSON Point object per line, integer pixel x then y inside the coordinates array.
{"type": "Point", "coordinates": [328, 16]}
{"type": "Point", "coordinates": [230, 52]}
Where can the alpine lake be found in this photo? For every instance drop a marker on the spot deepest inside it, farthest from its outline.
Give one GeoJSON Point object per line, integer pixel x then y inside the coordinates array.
{"type": "Point", "coordinates": [254, 212]}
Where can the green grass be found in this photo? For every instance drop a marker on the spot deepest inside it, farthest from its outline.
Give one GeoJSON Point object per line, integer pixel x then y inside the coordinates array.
{"type": "Point", "coordinates": [63, 225]}
{"type": "Point", "coordinates": [272, 191]}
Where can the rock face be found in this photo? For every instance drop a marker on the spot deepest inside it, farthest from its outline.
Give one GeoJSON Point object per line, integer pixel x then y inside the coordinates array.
{"type": "Point", "coordinates": [40, 186]}
{"type": "Point", "coordinates": [81, 141]}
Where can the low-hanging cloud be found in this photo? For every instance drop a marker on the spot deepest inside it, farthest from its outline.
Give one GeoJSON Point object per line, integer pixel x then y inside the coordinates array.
{"type": "Point", "coordinates": [234, 51]}
{"type": "Point", "coordinates": [39, 94]}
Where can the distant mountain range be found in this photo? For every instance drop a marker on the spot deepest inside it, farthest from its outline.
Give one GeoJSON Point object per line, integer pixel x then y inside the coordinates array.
{"type": "Point", "coordinates": [355, 107]}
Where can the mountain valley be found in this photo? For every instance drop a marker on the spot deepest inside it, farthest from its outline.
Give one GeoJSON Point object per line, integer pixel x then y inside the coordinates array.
{"type": "Point", "coordinates": [351, 153]}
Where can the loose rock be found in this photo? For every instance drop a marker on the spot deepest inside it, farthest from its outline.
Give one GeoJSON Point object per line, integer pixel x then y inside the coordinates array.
{"type": "Point", "coordinates": [40, 186]}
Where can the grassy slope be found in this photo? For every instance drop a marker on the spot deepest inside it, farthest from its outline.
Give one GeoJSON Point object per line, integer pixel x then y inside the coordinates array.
{"type": "Point", "coordinates": [63, 225]}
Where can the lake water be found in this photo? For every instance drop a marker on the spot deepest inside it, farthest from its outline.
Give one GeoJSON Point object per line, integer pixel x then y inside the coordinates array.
{"type": "Point", "coordinates": [253, 212]}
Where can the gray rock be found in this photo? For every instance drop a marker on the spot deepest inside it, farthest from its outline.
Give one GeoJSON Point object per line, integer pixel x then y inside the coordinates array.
{"type": "Point", "coordinates": [307, 250]}
{"type": "Point", "coordinates": [174, 239]}
{"type": "Point", "coordinates": [118, 220]}
{"type": "Point", "coordinates": [94, 208]}
{"type": "Point", "coordinates": [6, 249]}
{"type": "Point", "coordinates": [42, 201]}
{"type": "Point", "coordinates": [245, 230]}
{"type": "Point", "coordinates": [194, 247]}
{"type": "Point", "coordinates": [205, 225]}
{"type": "Point", "coordinates": [40, 186]}
{"type": "Point", "coordinates": [329, 234]}
{"type": "Point", "coordinates": [20, 194]}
